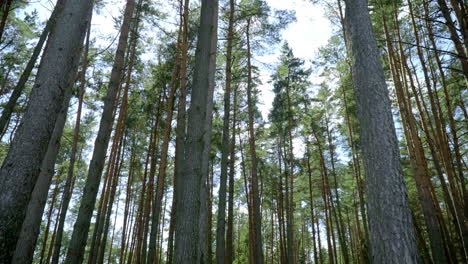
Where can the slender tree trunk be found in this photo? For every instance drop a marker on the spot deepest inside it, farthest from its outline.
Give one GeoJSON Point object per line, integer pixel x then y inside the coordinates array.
{"type": "Point", "coordinates": [119, 163]}
{"type": "Point", "coordinates": [221, 222]}
{"type": "Point", "coordinates": [392, 238]}
{"type": "Point", "coordinates": [257, 218]}
{"type": "Point", "coordinates": [180, 130]}
{"type": "Point", "coordinates": [49, 219]}
{"type": "Point", "coordinates": [189, 203]}
{"type": "Point", "coordinates": [21, 167]}
{"type": "Point", "coordinates": [229, 258]}
{"type": "Point", "coordinates": [419, 163]}
{"type": "Point", "coordinates": [311, 199]}
{"type": "Point", "coordinates": [128, 200]}
{"type": "Point", "coordinates": [81, 227]}
{"type": "Point", "coordinates": [157, 203]}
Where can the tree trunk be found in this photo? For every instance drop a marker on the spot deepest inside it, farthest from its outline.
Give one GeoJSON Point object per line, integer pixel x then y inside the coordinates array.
{"type": "Point", "coordinates": [257, 217]}
{"type": "Point", "coordinates": [189, 203]}
{"type": "Point", "coordinates": [180, 130]}
{"type": "Point", "coordinates": [229, 258]}
{"type": "Point", "coordinates": [311, 199]}
{"type": "Point", "coordinates": [67, 191]}
{"type": "Point", "coordinates": [392, 238]}
{"type": "Point", "coordinates": [221, 222]}
{"type": "Point", "coordinates": [157, 202]}
{"type": "Point", "coordinates": [21, 167]}
{"type": "Point", "coordinates": [81, 227]}
{"type": "Point", "coordinates": [50, 25]}
{"type": "Point", "coordinates": [32, 222]}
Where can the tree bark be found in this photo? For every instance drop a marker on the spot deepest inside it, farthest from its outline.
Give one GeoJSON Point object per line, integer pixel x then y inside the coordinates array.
{"type": "Point", "coordinates": [30, 230]}
{"type": "Point", "coordinates": [392, 237]}
{"type": "Point", "coordinates": [55, 77]}
{"type": "Point", "coordinates": [18, 90]}
{"type": "Point", "coordinates": [189, 202]}
{"type": "Point", "coordinates": [67, 191]}
{"type": "Point", "coordinates": [229, 257]}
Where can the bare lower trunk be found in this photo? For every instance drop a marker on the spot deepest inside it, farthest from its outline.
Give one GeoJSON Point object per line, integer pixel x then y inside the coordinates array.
{"type": "Point", "coordinates": [392, 238]}
{"type": "Point", "coordinates": [67, 192]}
{"type": "Point", "coordinates": [32, 222]}
{"type": "Point", "coordinates": [221, 222]}
{"type": "Point", "coordinates": [189, 201]}
{"type": "Point", "coordinates": [257, 217]}
{"type": "Point", "coordinates": [21, 167]}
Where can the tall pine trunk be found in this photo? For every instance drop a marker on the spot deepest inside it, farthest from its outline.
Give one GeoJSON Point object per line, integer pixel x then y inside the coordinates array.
{"type": "Point", "coordinates": [392, 237]}
{"type": "Point", "coordinates": [67, 192]}
{"type": "Point", "coordinates": [54, 80]}
{"type": "Point", "coordinates": [256, 213]}
{"type": "Point", "coordinates": [24, 251]}
{"type": "Point", "coordinates": [189, 202]}
{"type": "Point", "coordinates": [221, 221]}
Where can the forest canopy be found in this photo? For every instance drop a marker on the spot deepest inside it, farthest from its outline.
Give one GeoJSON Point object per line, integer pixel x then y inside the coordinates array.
{"type": "Point", "coordinates": [233, 131]}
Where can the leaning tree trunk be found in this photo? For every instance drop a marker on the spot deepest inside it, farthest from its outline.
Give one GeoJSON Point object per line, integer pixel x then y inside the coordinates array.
{"type": "Point", "coordinates": [188, 205]}
{"type": "Point", "coordinates": [80, 231]}
{"type": "Point", "coordinates": [8, 109]}
{"type": "Point", "coordinates": [32, 222]}
{"type": "Point", "coordinates": [392, 238]}
{"type": "Point", "coordinates": [67, 192]}
{"type": "Point", "coordinates": [21, 167]}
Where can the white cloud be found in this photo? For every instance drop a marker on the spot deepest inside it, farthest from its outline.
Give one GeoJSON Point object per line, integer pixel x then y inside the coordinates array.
{"type": "Point", "coordinates": [311, 31]}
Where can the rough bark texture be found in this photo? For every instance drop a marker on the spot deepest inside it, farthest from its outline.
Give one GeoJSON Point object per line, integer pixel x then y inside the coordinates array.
{"type": "Point", "coordinates": [417, 158]}
{"type": "Point", "coordinates": [188, 205]}
{"type": "Point", "coordinates": [8, 109]}
{"type": "Point", "coordinates": [67, 191]}
{"type": "Point", "coordinates": [80, 231]}
{"type": "Point", "coordinates": [392, 238]}
{"type": "Point", "coordinates": [55, 76]}
{"type": "Point", "coordinates": [24, 251]}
